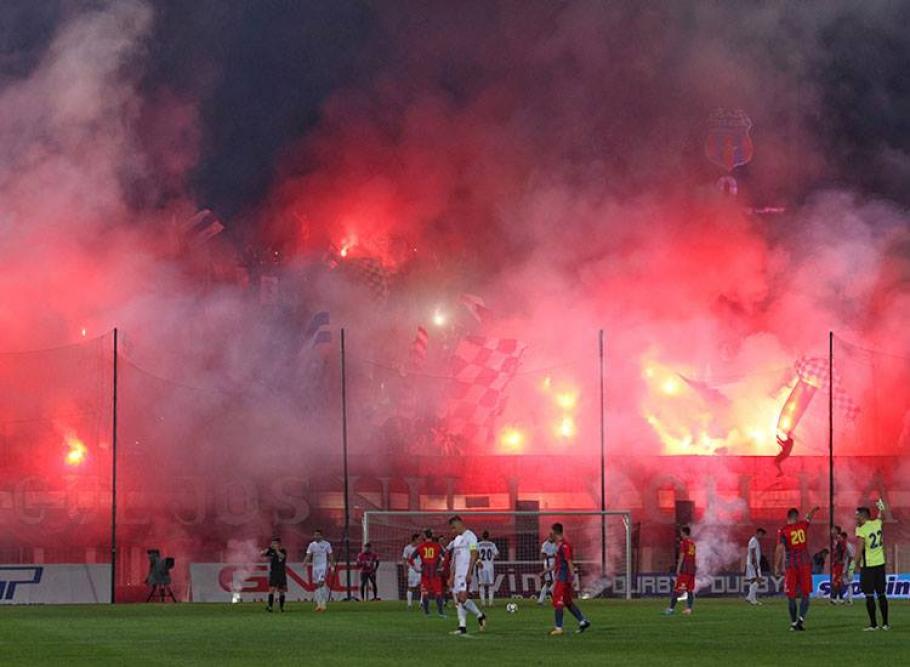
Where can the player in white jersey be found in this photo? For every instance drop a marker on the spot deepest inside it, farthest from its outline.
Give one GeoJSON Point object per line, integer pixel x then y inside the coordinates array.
{"type": "Point", "coordinates": [412, 570]}
{"type": "Point", "coordinates": [548, 554]}
{"type": "Point", "coordinates": [486, 576]}
{"type": "Point", "coordinates": [319, 555]}
{"type": "Point", "coordinates": [464, 558]}
{"type": "Point", "coordinates": [753, 566]}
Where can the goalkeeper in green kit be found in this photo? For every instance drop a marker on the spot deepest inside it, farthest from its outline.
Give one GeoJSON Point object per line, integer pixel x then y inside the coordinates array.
{"type": "Point", "coordinates": [871, 558]}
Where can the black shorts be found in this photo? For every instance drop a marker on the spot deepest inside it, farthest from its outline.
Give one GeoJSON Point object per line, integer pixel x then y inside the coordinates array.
{"type": "Point", "coordinates": [873, 580]}
{"type": "Point", "coordinates": [278, 580]}
{"type": "Point", "coordinates": [367, 576]}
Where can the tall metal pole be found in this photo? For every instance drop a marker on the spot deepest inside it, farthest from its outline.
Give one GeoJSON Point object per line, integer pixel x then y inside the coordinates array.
{"type": "Point", "coordinates": [114, 477]}
{"type": "Point", "coordinates": [344, 453]}
{"type": "Point", "coordinates": [603, 469]}
{"type": "Point", "coordinates": [831, 451]}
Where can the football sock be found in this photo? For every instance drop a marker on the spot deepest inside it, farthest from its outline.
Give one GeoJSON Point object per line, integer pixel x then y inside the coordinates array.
{"type": "Point", "coordinates": [471, 607]}
{"type": "Point", "coordinates": [462, 615]}
{"type": "Point", "coordinates": [281, 601]}
{"type": "Point", "coordinates": [791, 603]}
{"type": "Point", "coordinates": [690, 599]}
{"type": "Point", "coordinates": [883, 605]}
{"type": "Point", "coordinates": [559, 615]}
{"type": "Point", "coordinates": [271, 599]}
{"type": "Point", "coordinates": [439, 602]}
{"type": "Point", "coordinates": [543, 594]}
{"type": "Point", "coordinates": [490, 595]}
{"type": "Point", "coordinates": [804, 607]}
{"type": "Point", "coordinates": [576, 612]}
{"type": "Point", "coordinates": [870, 607]}
{"type": "Point", "coordinates": [753, 591]}
{"type": "Point", "coordinates": [425, 603]}
{"type": "Point", "coordinates": [410, 598]}
{"type": "Point", "coordinates": [482, 594]}
{"type": "Point", "coordinates": [673, 601]}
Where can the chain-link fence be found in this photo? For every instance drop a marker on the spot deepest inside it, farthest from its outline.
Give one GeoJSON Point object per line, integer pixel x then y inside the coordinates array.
{"type": "Point", "coordinates": [210, 469]}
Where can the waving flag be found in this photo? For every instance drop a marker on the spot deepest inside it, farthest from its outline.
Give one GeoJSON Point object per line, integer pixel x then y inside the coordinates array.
{"type": "Point", "coordinates": [706, 392]}
{"type": "Point", "coordinates": [370, 273]}
{"type": "Point", "coordinates": [476, 307]}
{"type": "Point", "coordinates": [812, 375]}
{"type": "Point", "coordinates": [419, 348]}
{"type": "Point", "coordinates": [317, 331]}
{"type": "Point", "coordinates": [201, 227]}
{"type": "Point", "coordinates": [483, 369]}
{"type": "Point", "coordinates": [814, 371]}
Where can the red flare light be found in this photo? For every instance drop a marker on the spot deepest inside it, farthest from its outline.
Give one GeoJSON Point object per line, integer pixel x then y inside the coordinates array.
{"type": "Point", "coordinates": [76, 451]}
{"type": "Point", "coordinates": [511, 440]}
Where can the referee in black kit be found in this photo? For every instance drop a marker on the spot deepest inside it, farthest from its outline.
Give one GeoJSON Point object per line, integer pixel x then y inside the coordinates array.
{"type": "Point", "coordinates": [278, 574]}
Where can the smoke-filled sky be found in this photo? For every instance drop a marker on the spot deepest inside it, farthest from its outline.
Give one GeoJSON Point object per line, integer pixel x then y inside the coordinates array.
{"type": "Point", "coordinates": [258, 76]}
{"type": "Point", "coordinates": [546, 156]}
{"type": "Point", "coordinates": [618, 83]}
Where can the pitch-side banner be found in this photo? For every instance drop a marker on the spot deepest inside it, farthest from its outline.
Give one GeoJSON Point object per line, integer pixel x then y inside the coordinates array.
{"type": "Point", "coordinates": [55, 584]}
{"type": "Point", "coordinates": [224, 582]}
{"type": "Point", "coordinates": [523, 579]}
{"type": "Point", "coordinates": [897, 586]}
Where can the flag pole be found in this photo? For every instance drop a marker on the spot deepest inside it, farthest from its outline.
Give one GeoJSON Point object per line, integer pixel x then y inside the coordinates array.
{"type": "Point", "coordinates": [344, 454]}
{"type": "Point", "coordinates": [831, 452]}
{"type": "Point", "coordinates": [603, 480]}
{"type": "Point", "coordinates": [114, 475]}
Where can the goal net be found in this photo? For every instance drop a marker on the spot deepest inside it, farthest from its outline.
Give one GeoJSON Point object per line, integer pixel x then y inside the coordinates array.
{"type": "Point", "coordinates": [601, 542]}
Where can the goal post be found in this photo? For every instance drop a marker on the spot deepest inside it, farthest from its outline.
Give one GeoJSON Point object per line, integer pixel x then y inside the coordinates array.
{"type": "Point", "coordinates": [601, 541]}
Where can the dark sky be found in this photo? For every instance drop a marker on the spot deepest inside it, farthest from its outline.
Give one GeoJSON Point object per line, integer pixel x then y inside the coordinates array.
{"type": "Point", "coordinates": [260, 71]}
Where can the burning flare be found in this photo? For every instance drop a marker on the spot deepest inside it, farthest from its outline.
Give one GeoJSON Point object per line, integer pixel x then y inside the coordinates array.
{"type": "Point", "coordinates": [76, 451]}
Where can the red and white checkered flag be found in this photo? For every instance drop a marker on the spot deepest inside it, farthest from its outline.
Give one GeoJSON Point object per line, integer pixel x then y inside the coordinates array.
{"type": "Point", "coordinates": [370, 273]}
{"type": "Point", "coordinates": [483, 368]}
{"type": "Point", "coordinates": [814, 371]}
{"type": "Point", "coordinates": [419, 348]}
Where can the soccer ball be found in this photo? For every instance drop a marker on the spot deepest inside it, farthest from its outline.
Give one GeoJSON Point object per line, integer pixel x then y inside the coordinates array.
{"type": "Point", "coordinates": [511, 607]}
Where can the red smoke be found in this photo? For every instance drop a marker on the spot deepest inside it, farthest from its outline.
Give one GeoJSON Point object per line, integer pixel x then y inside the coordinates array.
{"type": "Point", "coordinates": [550, 164]}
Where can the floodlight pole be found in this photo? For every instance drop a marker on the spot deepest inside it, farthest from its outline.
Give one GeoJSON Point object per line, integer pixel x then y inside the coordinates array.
{"type": "Point", "coordinates": [344, 454]}
{"type": "Point", "coordinates": [831, 452]}
{"type": "Point", "coordinates": [114, 475]}
{"type": "Point", "coordinates": [603, 480]}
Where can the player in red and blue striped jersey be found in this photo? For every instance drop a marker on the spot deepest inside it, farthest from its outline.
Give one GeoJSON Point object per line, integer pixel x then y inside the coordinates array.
{"type": "Point", "coordinates": [793, 541]}
{"type": "Point", "coordinates": [563, 577]}
{"type": "Point", "coordinates": [685, 572]}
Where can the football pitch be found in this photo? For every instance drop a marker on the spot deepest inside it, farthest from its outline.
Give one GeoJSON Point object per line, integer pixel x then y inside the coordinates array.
{"type": "Point", "coordinates": [720, 632]}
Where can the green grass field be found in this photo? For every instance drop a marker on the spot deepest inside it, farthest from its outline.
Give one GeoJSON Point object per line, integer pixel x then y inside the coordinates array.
{"type": "Point", "coordinates": [383, 633]}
